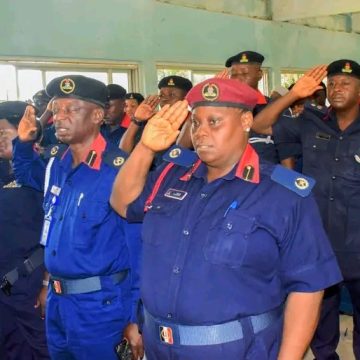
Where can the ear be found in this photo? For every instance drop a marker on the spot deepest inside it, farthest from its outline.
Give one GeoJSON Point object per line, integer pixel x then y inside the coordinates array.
{"type": "Point", "coordinates": [98, 115]}
{"type": "Point", "coordinates": [247, 120]}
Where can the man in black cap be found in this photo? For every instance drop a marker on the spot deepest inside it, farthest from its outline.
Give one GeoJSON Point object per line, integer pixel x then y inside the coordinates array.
{"type": "Point", "coordinates": [171, 89]}
{"type": "Point", "coordinates": [246, 67]}
{"type": "Point", "coordinates": [330, 140]}
{"type": "Point", "coordinates": [115, 121]}
{"type": "Point", "coordinates": [90, 252]}
{"type": "Point", "coordinates": [22, 331]}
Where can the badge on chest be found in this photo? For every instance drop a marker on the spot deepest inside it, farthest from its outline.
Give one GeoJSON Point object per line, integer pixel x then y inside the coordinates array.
{"type": "Point", "coordinates": [176, 194]}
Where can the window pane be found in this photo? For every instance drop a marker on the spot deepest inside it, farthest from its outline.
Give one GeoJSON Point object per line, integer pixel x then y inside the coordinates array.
{"type": "Point", "coordinates": [290, 78]}
{"type": "Point", "coordinates": [30, 81]}
{"type": "Point", "coordinates": [121, 79]}
{"type": "Point", "coordinates": [199, 77]}
{"type": "Point", "coordinates": [101, 76]}
{"type": "Point", "coordinates": [161, 73]}
{"type": "Point", "coordinates": [8, 83]}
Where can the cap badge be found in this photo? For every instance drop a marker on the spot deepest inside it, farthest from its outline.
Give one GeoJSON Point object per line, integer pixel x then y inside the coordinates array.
{"type": "Point", "coordinates": [118, 161]}
{"type": "Point", "coordinates": [171, 82]}
{"type": "Point", "coordinates": [174, 153]}
{"type": "Point", "coordinates": [347, 68]}
{"type": "Point", "coordinates": [301, 183]}
{"type": "Point", "coordinates": [210, 92]}
{"type": "Point", "coordinates": [131, 96]}
{"type": "Point", "coordinates": [54, 150]}
{"type": "Point", "coordinates": [67, 86]}
{"type": "Point", "coordinates": [244, 58]}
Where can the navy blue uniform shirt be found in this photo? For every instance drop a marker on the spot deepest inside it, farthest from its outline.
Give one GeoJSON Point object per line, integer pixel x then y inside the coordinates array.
{"type": "Point", "coordinates": [86, 237]}
{"type": "Point", "coordinates": [332, 158]}
{"type": "Point", "coordinates": [214, 252]}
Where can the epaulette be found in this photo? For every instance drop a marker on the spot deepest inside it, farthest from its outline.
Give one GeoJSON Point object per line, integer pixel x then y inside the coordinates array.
{"type": "Point", "coordinates": [55, 150]}
{"type": "Point", "coordinates": [114, 157]}
{"type": "Point", "coordinates": [180, 156]}
{"type": "Point", "coordinates": [292, 180]}
{"type": "Point", "coordinates": [316, 109]}
{"type": "Point", "coordinates": [11, 185]}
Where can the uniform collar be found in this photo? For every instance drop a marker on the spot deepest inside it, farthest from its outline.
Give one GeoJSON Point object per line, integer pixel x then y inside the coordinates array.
{"type": "Point", "coordinates": [93, 158]}
{"type": "Point", "coordinates": [247, 169]}
{"type": "Point", "coordinates": [261, 100]}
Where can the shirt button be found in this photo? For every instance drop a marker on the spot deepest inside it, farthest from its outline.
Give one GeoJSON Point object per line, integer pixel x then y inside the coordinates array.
{"type": "Point", "coordinates": [331, 198]}
{"type": "Point", "coordinates": [336, 159]}
{"type": "Point", "coordinates": [229, 226]}
{"type": "Point", "coordinates": [169, 315]}
{"type": "Point", "coordinates": [333, 177]}
{"type": "Point", "coordinates": [340, 137]}
{"type": "Point", "coordinates": [186, 232]}
{"type": "Point", "coordinates": [53, 253]}
{"type": "Point", "coordinates": [314, 146]}
{"type": "Point", "coordinates": [176, 270]}
{"type": "Point", "coordinates": [203, 195]}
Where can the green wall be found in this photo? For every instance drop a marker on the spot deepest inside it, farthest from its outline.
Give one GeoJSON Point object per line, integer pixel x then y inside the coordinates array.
{"type": "Point", "coordinates": [147, 31]}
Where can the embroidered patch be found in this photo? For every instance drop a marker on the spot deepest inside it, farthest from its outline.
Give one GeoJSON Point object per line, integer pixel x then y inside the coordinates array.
{"type": "Point", "coordinates": [166, 335]}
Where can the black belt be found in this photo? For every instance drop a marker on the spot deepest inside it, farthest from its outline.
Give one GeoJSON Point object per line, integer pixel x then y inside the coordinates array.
{"type": "Point", "coordinates": [28, 266]}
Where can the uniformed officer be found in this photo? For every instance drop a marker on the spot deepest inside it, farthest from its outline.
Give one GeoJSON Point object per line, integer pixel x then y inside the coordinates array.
{"type": "Point", "coordinates": [171, 89]}
{"type": "Point", "coordinates": [132, 101]}
{"type": "Point", "coordinates": [22, 331]}
{"type": "Point", "coordinates": [116, 121]}
{"type": "Point", "coordinates": [330, 140]}
{"type": "Point", "coordinates": [90, 252]}
{"type": "Point", "coordinates": [246, 67]}
{"type": "Point", "coordinates": [227, 240]}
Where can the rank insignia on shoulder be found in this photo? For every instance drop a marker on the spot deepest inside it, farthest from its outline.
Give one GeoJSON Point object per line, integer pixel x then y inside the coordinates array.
{"type": "Point", "coordinates": [115, 157]}
{"type": "Point", "coordinates": [55, 150]}
{"type": "Point", "coordinates": [12, 184]}
{"type": "Point", "coordinates": [293, 180]}
{"type": "Point", "coordinates": [180, 156]}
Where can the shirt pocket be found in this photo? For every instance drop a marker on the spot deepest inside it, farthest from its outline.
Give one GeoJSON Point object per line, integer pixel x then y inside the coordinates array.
{"type": "Point", "coordinates": [228, 239]}
{"type": "Point", "coordinates": [159, 222]}
{"type": "Point", "coordinates": [90, 217]}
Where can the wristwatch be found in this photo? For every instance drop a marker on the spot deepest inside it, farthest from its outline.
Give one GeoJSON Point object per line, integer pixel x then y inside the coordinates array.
{"type": "Point", "coordinates": [137, 122]}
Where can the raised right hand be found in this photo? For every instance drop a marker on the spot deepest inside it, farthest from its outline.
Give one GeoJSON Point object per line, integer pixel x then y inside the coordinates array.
{"type": "Point", "coordinates": [147, 108]}
{"type": "Point", "coordinates": [162, 129]}
{"type": "Point", "coordinates": [27, 129]}
{"type": "Point", "coordinates": [309, 83]}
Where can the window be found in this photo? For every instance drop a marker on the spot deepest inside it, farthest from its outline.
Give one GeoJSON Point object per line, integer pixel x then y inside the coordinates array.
{"type": "Point", "coordinates": [22, 79]}
{"type": "Point", "coordinates": [198, 73]}
{"type": "Point", "coordinates": [289, 77]}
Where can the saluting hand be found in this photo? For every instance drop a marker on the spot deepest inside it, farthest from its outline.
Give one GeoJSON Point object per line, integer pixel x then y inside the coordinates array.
{"type": "Point", "coordinates": [309, 83]}
{"type": "Point", "coordinates": [147, 108]}
{"type": "Point", "coordinates": [27, 129]}
{"type": "Point", "coordinates": [162, 129]}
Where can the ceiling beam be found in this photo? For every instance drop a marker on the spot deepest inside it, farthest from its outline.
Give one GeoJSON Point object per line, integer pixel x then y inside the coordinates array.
{"type": "Point", "coordinates": [283, 10]}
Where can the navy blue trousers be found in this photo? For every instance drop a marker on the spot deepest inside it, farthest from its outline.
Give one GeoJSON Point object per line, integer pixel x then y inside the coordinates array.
{"type": "Point", "coordinates": [22, 331]}
{"type": "Point", "coordinates": [327, 334]}
{"type": "Point", "coordinates": [88, 326]}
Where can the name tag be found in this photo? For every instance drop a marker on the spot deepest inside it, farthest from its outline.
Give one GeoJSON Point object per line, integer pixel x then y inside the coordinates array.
{"type": "Point", "coordinates": [176, 194]}
{"type": "Point", "coordinates": [323, 136]}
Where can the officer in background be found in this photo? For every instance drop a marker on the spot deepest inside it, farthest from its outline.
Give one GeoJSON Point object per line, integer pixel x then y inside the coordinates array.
{"type": "Point", "coordinates": [116, 121]}
{"type": "Point", "coordinates": [22, 331]}
{"type": "Point", "coordinates": [227, 240]}
{"type": "Point", "coordinates": [171, 89]}
{"type": "Point", "coordinates": [330, 140]}
{"type": "Point", "coordinates": [90, 252]}
{"type": "Point", "coordinates": [132, 102]}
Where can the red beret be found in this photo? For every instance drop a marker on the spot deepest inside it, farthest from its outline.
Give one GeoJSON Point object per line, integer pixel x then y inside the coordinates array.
{"type": "Point", "coordinates": [222, 93]}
